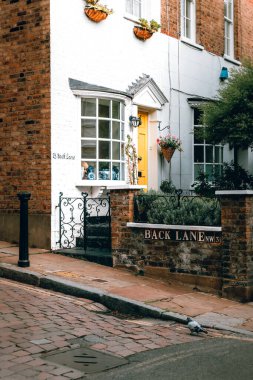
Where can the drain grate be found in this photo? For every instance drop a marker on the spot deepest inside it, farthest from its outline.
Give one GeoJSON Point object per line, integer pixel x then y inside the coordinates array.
{"type": "Point", "coordinates": [86, 360]}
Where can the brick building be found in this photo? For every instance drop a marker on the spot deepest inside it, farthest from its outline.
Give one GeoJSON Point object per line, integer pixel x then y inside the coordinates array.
{"type": "Point", "coordinates": [69, 85]}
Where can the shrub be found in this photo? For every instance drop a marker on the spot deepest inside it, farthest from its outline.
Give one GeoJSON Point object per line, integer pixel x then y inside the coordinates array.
{"type": "Point", "coordinates": [192, 211]}
{"type": "Point", "coordinates": [167, 187]}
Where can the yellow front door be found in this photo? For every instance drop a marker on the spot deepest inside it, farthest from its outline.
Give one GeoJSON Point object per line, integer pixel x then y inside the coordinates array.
{"type": "Point", "coordinates": [143, 150]}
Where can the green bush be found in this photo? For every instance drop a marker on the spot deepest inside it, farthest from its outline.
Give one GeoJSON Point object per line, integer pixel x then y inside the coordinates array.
{"type": "Point", "coordinates": [233, 177]}
{"type": "Point", "coordinates": [167, 187]}
{"type": "Point", "coordinates": [192, 211]}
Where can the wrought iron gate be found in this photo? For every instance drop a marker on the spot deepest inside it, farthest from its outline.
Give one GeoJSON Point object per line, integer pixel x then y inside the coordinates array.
{"type": "Point", "coordinates": [84, 222]}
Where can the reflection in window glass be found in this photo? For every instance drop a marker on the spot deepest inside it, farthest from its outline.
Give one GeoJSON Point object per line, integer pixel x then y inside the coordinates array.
{"type": "Point", "coordinates": [88, 128]}
{"type": "Point", "coordinates": [104, 108]}
{"type": "Point", "coordinates": [104, 129]}
{"type": "Point", "coordinates": [88, 107]}
{"type": "Point", "coordinates": [88, 149]}
{"type": "Point", "coordinates": [199, 154]}
{"type": "Point", "coordinates": [116, 130]}
{"type": "Point", "coordinates": [116, 150]}
{"type": "Point", "coordinates": [104, 150]}
{"type": "Point", "coordinates": [116, 110]}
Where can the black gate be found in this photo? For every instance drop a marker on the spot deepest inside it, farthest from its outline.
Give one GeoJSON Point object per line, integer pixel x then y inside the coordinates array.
{"type": "Point", "coordinates": [84, 223]}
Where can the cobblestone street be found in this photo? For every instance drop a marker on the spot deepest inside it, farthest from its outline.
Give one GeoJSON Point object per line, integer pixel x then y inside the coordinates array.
{"type": "Point", "coordinates": [34, 322]}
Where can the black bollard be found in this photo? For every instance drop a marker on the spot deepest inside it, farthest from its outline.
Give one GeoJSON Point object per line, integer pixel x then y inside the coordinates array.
{"type": "Point", "coordinates": [23, 230]}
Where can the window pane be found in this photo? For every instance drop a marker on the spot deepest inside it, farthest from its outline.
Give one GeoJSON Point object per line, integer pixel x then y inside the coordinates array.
{"type": "Point", "coordinates": [104, 150]}
{"type": "Point", "coordinates": [187, 28]}
{"type": "Point", "coordinates": [122, 111]}
{"type": "Point", "coordinates": [116, 171]}
{"type": "Point", "coordinates": [129, 6]}
{"type": "Point", "coordinates": [104, 108]}
{"type": "Point", "coordinates": [209, 154]}
{"type": "Point", "coordinates": [198, 154]}
{"type": "Point", "coordinates": [115, 151]}
{"type": "Point", "coordinates": [116, 110]}
{"type": "Point", "coordinates": [209, 171]}
{"type": "Point", "coordinates": [88, 128]}
{"type": "Point", "coordinates": [122, 151]}
{"type": "Point", "coordinates": [116, 130]}
{"type": "Point", "coordinates": [122, 131]}
{"type": "Point", "coordinates": [197, 137]}
{"type": "Point", "coordinates": [188, 8]}
{"type": "Point", "coordinates": [230, 9]}
{"type": "Point", "coordinates": [104, 129]}
{"type": "Point", "coordinates": [88, 107]}
{"type": "Point", "coordinates": [88, 170]}
{"type": "Point", "coordinates": [104, 171]}
{"type": "Point", "coordinates": [122, 172]}
{"type": "Point", "coordinates": [197, 116]}
{"type": "Point", "coordinates": [137, 8]}
{"type": "Point", "coordinates": [88, 149]}
{"type": "Point", "coordinates": [218, 169]}
{"type": "Point", "coordinates": [197, 170]}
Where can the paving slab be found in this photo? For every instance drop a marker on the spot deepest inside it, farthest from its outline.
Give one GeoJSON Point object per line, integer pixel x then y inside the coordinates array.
{"type": "Point", "coordinates": [118, 287]}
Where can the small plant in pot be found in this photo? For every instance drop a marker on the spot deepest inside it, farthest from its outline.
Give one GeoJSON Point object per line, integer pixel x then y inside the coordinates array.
{"type": "Point", "coordinates": [96, 11]}
{"type": "Point", "coordinates": [145, 29]}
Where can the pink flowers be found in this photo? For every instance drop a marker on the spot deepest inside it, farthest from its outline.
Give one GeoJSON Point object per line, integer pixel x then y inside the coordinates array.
{"type": "Point", "coordinates": [170, 141]}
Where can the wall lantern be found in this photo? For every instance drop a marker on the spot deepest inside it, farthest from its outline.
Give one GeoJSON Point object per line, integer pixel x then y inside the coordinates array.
{"type": "Point", "coordinates": [224, 73]}
{"type": "Point", "coordinates": [134, 121]}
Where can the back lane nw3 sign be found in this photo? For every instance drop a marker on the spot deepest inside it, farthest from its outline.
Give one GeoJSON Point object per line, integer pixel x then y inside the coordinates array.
{"type": "Point", "coordinates": [212, 237]}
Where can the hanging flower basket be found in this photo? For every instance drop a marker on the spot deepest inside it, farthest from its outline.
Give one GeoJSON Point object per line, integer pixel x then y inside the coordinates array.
{"type": "Point", "coordinates": [94, 14]}
{"type": "Point", "coordinates": [167, 153]}
{"type": "Point", "coordinates": [142, 33]}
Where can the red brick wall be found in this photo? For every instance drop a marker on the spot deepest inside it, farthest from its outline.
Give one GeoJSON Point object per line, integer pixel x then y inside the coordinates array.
{"type": "Point", "coordinates": [244, 29]}
{"type": "Point", "coordinates": [25, 103]}
{"type": "Point", "coordinates": [210, 25]}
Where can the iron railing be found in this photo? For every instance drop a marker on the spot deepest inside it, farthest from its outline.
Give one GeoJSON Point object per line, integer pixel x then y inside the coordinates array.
{"type": "Point", "coordinates": [77, 215]}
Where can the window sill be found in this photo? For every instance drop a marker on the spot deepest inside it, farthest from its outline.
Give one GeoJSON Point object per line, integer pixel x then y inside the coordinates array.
{"type": "Point", "coordinates": [189, 42]}
{"type": "Point", "coordinates": [232, 60]}
{"type": "Point", "coordinates": [99, 183]}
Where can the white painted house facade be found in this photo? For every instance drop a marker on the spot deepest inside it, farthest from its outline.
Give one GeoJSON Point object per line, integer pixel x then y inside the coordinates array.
{"type": "Point", "coordinates": [101, 75]}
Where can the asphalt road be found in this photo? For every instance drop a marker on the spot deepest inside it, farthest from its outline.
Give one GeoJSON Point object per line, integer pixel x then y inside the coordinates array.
{"type": "Point", "coordinates": [216, 359]}
{"type": "Point", "coordinates": [46, 335]}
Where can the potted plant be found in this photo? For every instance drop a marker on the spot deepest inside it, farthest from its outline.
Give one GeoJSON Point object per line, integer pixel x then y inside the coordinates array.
{"type": "Point", "coordinates": [168, 145]}
{"type": "Point", "coordinates": [95, 11]}
{"type": "Point", "coordinates": [146, 29]}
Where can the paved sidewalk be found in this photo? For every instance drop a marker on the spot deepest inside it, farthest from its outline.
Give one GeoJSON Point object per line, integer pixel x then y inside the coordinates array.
{"type": "Point", "coordinates": [124, 291]}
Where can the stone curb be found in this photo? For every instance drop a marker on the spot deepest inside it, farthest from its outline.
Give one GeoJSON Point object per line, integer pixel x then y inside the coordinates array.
{"type": "Point", "coordinates": [112, 302]}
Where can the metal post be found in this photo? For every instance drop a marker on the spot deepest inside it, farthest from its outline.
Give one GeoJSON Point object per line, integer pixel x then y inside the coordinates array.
{"type": "Point", "coordinates": [23, 230]}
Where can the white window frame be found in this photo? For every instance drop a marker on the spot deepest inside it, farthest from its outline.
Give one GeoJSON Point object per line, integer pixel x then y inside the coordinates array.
{"type": "Point", "coordinates": [188, 32]}
{"type": "Point", "coordinates": [229, 28]}
{"type": "Point", "coordinates": [129, 11]}
{"type": "Point", "coordinates": [216, 151]}
{"type": "Point", "coordinates": [98, 160]}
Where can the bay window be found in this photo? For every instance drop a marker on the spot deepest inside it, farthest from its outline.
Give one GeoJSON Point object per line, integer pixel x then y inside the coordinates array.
{"type": "Point", "coordinates": [102, 139]}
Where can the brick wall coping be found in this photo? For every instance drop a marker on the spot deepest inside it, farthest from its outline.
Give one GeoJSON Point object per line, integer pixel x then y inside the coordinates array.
{"type": "Point", "coordinates": [126, 187]}
{"type": "Point", "coordinates": [174, 227]}
{"type": "Point", "coordinates": [234, 192]}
